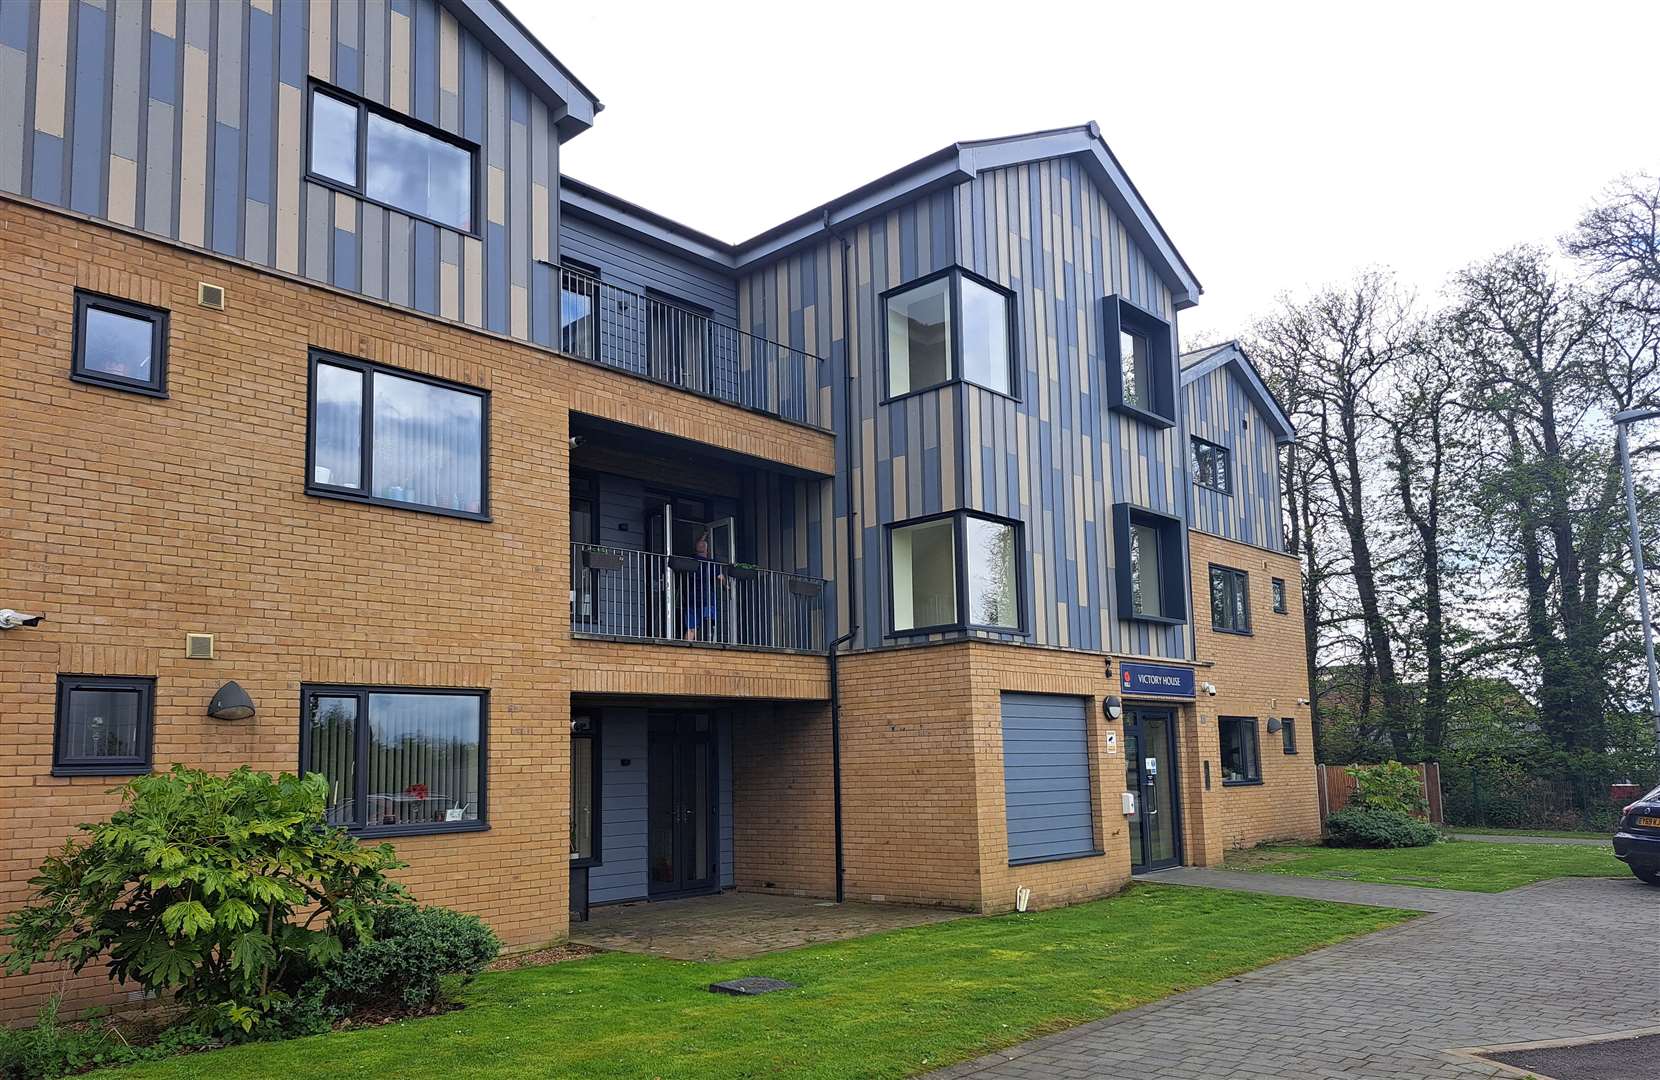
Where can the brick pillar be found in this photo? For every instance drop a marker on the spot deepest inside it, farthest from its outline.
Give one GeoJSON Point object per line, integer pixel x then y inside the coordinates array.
{"type": "Point", "coordinates": [1196, 747]}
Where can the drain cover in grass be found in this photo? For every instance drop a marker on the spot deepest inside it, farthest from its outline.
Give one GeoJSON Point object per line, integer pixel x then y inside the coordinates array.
{"type": "Point", "coordinates": [749, 987]}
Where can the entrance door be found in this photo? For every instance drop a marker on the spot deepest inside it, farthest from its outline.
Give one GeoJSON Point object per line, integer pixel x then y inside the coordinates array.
{"type": "Point", "coordinates": [1150, 773]}
{"type": "Point", "coordinates": [681, 853]}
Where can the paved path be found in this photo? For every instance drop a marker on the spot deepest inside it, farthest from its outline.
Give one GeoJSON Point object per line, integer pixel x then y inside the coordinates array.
{"type": "Point", "coordinates": [1572, 957]}
{"type": "Point", "coordinates": [1520, 838]}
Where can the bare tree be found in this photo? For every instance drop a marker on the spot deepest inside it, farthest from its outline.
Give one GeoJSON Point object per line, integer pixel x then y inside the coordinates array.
{"type": "Point", "coordinates": [1618, 242]}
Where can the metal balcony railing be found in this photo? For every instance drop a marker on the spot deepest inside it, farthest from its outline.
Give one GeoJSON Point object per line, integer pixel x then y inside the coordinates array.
{"type": "Point", "coordinates": [687, 349]}
{"type": "Point", "coordinates": [644, 596]}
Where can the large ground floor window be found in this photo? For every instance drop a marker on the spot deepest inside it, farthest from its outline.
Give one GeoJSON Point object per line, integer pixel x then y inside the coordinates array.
{"type": "Point", "coordinates": [397, 760]}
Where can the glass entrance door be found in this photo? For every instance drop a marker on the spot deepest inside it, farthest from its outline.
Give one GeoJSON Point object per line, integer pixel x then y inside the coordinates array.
{"type": "Point", "coordinates": [1150, 774]}
{"type": "Point", "coordinates": [680, 803]}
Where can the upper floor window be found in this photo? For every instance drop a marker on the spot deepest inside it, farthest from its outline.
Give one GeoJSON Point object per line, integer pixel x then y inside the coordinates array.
{"type": "Point", "coordinates": [392, 437]}
{"type": "Point", "coordinates": [391, 159]}
{"type": "Point", "coordinates": [1230, 604]}
{"type": "Point", "coordinates": [1211, 466]}
{"type": "Point", "coordinates": [397, 760]}
{"type": "Point", "coordinates": [1288, 735]}
{"type": "Point", "coordinates": [119, 344]}
{"type": "Point", "coordinates": [929, 593]}
{"type": "Point", "coordinates": [1151, 581]}
{"type": "Point", "coordinates": [1141, 365]}
{"type": "Point", "coordinates": [1279, 596]}
{"type": "Point", "coordinates": [104, 725]}
{"type": "Point", "coordinates": [947, 327]}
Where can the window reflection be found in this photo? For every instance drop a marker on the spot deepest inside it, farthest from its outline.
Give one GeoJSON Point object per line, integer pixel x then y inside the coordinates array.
{"type": "Point", "coordinates": [986, 337]}
{"type": "Point", "coordinates": [924, 561]}
{"type": "Point", "coordinates": [416, 172]}
{"type": "Point", "coordinates": [117, 344]}
{"type": "Point", "coordinates": [337, 456]}
{"type": "Point", "coordinates": [333, 138]}
{"type": "Point", "coordinates": [993, 597]}
{"type": "Point", "coordinates": [428, 444]}
{"type": "Point", "coordinates": [919, 337]}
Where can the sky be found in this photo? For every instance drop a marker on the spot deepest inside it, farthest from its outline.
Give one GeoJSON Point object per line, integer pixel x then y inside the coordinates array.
{"type": "Point", "coordinates": [1281, 145]}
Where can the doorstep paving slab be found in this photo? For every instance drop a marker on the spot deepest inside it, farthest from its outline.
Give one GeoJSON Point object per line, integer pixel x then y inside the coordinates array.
{"type": "Point", "coordinates": [1549, 961]}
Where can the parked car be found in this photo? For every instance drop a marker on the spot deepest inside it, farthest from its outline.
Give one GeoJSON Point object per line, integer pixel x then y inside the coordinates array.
{"type": "Point", "coordinates": [1637, 842]}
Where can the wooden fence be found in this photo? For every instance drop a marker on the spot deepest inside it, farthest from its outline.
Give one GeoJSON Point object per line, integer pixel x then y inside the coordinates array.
{"type": "Point", "coordinates": [1337, 787]}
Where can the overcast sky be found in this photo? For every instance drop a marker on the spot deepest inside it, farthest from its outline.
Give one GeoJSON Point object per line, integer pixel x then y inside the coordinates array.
{"type": "Point", "coordinates": [1281, 145]}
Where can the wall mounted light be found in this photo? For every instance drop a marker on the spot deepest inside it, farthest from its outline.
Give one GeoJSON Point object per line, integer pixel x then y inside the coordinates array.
{"type": "Point", "coordinates": [231, 703]}
{"type": "Point", "coordinates": [1273, 724]}
{"type": "Point", "coordinates": [1113, 708]}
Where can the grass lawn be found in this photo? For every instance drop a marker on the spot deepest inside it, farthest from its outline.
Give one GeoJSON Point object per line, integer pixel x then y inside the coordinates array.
{"type": "Point", "coordinates": [1564, 834]}
{"type": "Point", "coordinates": [888, 1005]}
{"type": "Point", "coordinates": [1456, 864]}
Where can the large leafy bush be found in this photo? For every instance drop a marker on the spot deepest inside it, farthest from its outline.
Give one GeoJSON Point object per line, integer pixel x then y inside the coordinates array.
{"type": "Point", "coordinates": [1368, 827]}
{"type": "Point", "coordinates": [404, 966]}
{"type": "Point", "coordinates": [1389, 786]}
{"type": "Point", "coordinates": [227, 892]}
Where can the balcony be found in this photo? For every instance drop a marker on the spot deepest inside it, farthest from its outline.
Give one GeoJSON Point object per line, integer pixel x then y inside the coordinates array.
{"type": "Point", "coordinates": [686, 349]}
{"type": "Point", "coordinates": [624, 594]}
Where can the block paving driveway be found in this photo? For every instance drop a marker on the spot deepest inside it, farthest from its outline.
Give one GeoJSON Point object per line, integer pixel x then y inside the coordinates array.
{"type": "Point", "coordinates": [1557, 960]}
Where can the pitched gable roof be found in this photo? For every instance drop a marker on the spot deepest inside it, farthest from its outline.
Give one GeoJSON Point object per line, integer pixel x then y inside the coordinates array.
{"type": "Point", "coordinates": [1201, 362]}
{"type": "Point", "coordinates": [506, 37]}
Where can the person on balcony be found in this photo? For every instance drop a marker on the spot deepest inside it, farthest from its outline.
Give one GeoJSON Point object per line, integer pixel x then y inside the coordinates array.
{"type": "Point", "coordinates": [703, 588]}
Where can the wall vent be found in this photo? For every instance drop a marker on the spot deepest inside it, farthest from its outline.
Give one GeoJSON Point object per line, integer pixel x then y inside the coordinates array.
{"type": "Point", "coordinates": [210, 296]}
{"type": "Point", "coordinates": [198, 646]}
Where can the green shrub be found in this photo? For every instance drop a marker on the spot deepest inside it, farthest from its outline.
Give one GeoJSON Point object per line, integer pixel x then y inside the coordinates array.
{"type": "Point", "coordinates": [1364, 827]}
{"type": "Point", "coordinates": [1389, 786]}
{"type": "Point", "coordinates": [405, 964]}
{"type": "Point", "coordinates": [50, 1049]}
{"type": "Point", "coordinates": [196, 887]}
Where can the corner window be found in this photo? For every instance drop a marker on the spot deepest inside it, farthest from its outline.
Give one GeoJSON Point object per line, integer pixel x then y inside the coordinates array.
{"type": "Point", "coordinates": [104, 725]}
{"type": "Point", "coordinates": [120, 345]}
{"type": "Point", "coordinates": [397, 760]}
{"type": "Point", "coordinates": [1230, 600]}
{"type": "Point", "coordinates": [951, 326]}
{"type": "Point", "coordinates": [394, 438]}
{"type": "Point", "coordinates": [1279, 596]}
{"type": "Point", "coordinates": [584, 792]}
{"type": "Point", "coordinates": [1240, 764]}
{"type": "Point", "coordinates": [1149, 567]}
{"type": "Point", "coordinates": [1211, 466]}
{"type": "Point", "coordinates": [1141, 364]}
{"type": "Point", "coordinates": [923, 559]}
{"type": "Point", "coordinates": [392, 160]}
{"type": "Point", "coordinates": [1288, 735]}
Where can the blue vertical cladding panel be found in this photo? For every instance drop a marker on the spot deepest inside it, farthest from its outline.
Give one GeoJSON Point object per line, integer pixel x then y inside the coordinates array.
{"type": "Point", "coordinates": [88, 157]}
{"type": "Point", "coordinates": [347, 262]}
{"type": "Point", "coordinates": [621, 874]}
{"type": "Point", "coordinates": [472, 89]}
{"type": "Point", "coordinates": [425, 47]}
{"type": "Point", "coordinates": [261, 114]}
{"type": "Point", "coordinates": [348, 72]}
{"type": "Point", "coordinates": [542, 288]}
{"type": "Point", "coordinates": [291, 51]}
{"type": "Point", "coordinates": [227, 200]}
{"type": "Point", "coordinates": [46, 183]}
{"type": "Point", "coordinates": [1049, 803]}
{"type": "Point", "coordinates": [426, 269]}
{"type": "Point", "coordinates": [16, 22]}
{"type": "Point", "coordinates": [495, 277]}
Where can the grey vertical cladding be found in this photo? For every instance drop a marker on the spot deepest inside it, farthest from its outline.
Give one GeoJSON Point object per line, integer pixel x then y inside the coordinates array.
{"type": "Point", "coordinates": [108, 115]}
{"type": "Point", "coordinates": [1218, 410]}
{"type": "Point", "coordinates": [1056, 459]}
{"type": "Point", "coordinates": [621, 875]}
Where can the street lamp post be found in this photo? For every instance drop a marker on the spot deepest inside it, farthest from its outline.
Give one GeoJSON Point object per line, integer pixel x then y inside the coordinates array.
{"type": "Point", "coordinates": [1622, 421]}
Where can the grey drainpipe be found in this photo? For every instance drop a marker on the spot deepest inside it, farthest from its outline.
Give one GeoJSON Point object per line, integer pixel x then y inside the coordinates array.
{"type": "Point", "coordinates": [852, 620]}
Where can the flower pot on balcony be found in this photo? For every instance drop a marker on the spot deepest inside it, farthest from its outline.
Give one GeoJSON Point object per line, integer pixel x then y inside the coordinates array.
{"type": "Point", "coordinates": [802, 587]}
{"type": "Point", "coordinates": [742, 572]}
{"type": "Point", "coordinates": [602, 560]}
{"type": "Point", "coordinates": [685, 564]}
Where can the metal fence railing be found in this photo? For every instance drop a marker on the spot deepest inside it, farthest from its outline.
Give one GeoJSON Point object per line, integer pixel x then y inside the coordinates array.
{"type": "Point", "coordinates": [642, 595]}
{"type": "Point", "coordinates": [684, 348]}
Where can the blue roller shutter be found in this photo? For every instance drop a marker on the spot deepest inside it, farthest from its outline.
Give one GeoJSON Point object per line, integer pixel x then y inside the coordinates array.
{"type": "Point", "coordinates": [1046, 777]}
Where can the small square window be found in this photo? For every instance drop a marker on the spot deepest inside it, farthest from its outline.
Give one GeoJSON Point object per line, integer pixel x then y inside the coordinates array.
{"type": "Point", "coordinates": [1279, 596]}
{"type": "Point", "coordinates": [1141, 365]}
{"type": "Point", "coordinates": [1211, 466]}
{"type": "Point", "coordinates": [120, 344]}
{"type": "Point", "coordinates": [1230, 600]}
{"type": "Point", "coordinates": [1240, 763]}
{"type": "Point", "coordinates": [1288, 735]}
{"type": "Point", "coordinates": [1152, 579]}
{"type": "Point", "coordinates": [103, 726]}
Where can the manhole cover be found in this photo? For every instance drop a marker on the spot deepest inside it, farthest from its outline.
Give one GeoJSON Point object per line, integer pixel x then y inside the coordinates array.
{"type": "Point", "coordinates": [749, 987]}
{"type": "Point", "coordinates": [1611, 1059]}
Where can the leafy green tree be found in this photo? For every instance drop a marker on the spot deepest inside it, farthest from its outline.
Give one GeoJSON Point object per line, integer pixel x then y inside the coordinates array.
{"type": "Point", "coordinates": [227, 892]}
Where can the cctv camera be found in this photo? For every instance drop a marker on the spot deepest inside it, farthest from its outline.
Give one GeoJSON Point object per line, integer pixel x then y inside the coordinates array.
{"type": "Point", "coordinates": [1210, 688]}
{"type": "Point", "coordinates": [578, 440]}
{"type": "Point", "coordinates": [1302, 701]}
{"type": "Point", "coordinates": [11, 620]}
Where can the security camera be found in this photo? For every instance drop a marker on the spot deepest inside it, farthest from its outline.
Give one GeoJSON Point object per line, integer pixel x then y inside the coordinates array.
{"type": "Point", "coordinates": [1302, 701]}
{"type": "Point", "coordinates": [1209, 688]}
{"type": "Point", "coordinates": [12, 620]}
{"type": "Point", "coordinates": [578, 440]}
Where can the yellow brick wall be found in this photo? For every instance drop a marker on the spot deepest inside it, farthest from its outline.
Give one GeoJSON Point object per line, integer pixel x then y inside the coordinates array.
{"type": "Point", "coordinates": [130, 521]}
{"type": "Point", "coordinates": [1263, 675]}
{"type": "Point", "coordinates": [783, 811]}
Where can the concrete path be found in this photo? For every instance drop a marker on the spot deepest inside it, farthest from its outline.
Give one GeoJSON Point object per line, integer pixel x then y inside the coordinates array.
{"type": "Point", "coordinates": [1561, 959]}
{"type": "Point", "coordinates": [1517, 838]}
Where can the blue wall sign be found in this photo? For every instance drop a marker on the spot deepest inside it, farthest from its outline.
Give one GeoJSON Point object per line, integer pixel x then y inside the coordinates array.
{"type": "Point", "coordinates": [1155, 680]}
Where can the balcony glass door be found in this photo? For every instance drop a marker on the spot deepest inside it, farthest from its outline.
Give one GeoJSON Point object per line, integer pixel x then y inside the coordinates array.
{"type": "Point", "coordinates": [680, 804]}
{"type": "Point", "coordinates": [1150, 774]}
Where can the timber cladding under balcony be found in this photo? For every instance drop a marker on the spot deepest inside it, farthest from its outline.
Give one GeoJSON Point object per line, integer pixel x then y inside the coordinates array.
{"type": "Point", "coordinates": [1056, 459]}
{"type": "Point", "coordinates": [188, 120]}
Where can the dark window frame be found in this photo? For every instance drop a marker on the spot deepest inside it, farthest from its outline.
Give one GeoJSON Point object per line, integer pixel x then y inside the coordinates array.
{"type": "Point", "coordinates": [1223, 456]}
{"type": "Point", "coordinates": [1251, 750]}
{"type": "Point", "coordinates": [1244, 577]}
{"type": "Point", "coordinates": [1173, 580]}
{"type": "Point", "coordinates": [1288, 735]}
{"type": "Point", "coordinates": [138, 764]}
{"type": "Point", "coordinates": [360, 827]}
{"type": "Point", "coordinates": [1277, 590]}
{"type": "Point", "coordinates": [366, 448]}
{"type": "Point", "coordinates": [595, 742]}
{"type": "Point", "coordinates": [158, 318]}
{"type": "Point", "coordinates": [592, 285]}
{"type": "Point", "coordinates": [957, 274]}
{"type": "Point", "coordinates": [1122, 314]}
{"type": "Point", "coordinates": [959, 541]}
{"type": "Point", "coordinates": [364, 107]}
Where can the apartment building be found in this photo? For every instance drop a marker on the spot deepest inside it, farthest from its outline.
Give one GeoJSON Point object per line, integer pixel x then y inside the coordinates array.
{"type": "Point", "coordinates": [591, 558]}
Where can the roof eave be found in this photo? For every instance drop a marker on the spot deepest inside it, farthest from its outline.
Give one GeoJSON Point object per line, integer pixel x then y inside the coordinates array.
{"type": "Point", "coordinates": [574, 105]}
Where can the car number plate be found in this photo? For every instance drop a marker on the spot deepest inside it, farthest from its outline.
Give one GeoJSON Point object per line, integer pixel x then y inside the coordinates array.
{"type": "Point", "coordinates": [1649, 822]}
